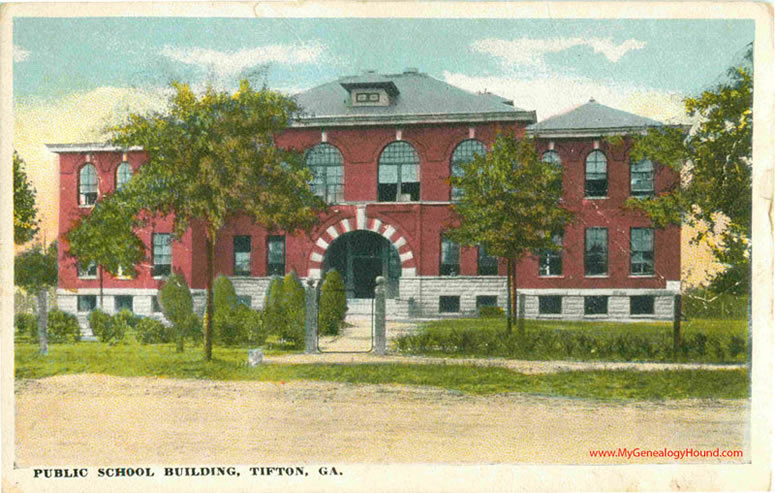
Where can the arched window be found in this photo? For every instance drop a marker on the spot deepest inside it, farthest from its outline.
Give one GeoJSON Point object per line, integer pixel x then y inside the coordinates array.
{"type": "Point", "coordinates": [642, 178]}
{"type": "Point", "coordinates": [596, 179]}
{"type": "Point", "coordinates": [87, 185]}
{"type": "Point", "coordinates": [327, 167]}
{"type": "Point", "coordinates": [463, 153]}
{"type": "Point", "coordinates": [553, 157]}
{"type": "Point", "coordinates": [399, 173]}
{"type": "Point", "coordinates": [123, 175]}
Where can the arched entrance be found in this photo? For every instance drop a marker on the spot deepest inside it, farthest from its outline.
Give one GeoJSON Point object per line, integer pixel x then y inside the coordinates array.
{"type": "Point", "coordinates": [361, 256]}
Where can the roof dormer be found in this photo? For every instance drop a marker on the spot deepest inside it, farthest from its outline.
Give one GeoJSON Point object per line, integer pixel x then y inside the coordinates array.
{"type": "Point", "coordinates": [370, 89]}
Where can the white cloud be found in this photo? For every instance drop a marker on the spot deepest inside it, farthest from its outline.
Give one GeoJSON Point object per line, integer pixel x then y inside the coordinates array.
{"type": "Point", "coordinates": [531, 52]}
{"type": "Point", "coordinates": [550, 95]}
{"type": "Point", "coordinates": [230, 64]}
{"type": "Point", "coordinates": [20, 54]}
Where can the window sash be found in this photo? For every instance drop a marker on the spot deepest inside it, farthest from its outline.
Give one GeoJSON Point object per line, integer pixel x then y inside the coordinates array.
{"type": "Point", "coordinates": [162, 254]}
{"type": "Point", "coordinates": [123, 175]}
{"type": "Point", "coordinates": [641, 251]}
{"type": "Point", "coordinates": [275, 256]}
{"type": "Point", "coordinates": [596, 251]}
{"type": "Point", "coordinates": [450, 257]}
{"type": "Point", "coordinates": [487, 265]}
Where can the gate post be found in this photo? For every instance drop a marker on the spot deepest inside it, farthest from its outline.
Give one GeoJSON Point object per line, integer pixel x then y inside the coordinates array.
{"type": "Point", "coordinates": [311, 318]}
{"type": "Point", "coordinates": [380, 341]}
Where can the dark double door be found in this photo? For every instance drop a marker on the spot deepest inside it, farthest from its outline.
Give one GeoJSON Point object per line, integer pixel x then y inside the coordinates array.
{"type": "Point", "coordinates": [360, 257]}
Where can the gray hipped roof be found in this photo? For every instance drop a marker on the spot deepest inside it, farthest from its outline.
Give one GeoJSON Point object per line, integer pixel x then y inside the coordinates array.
{"type": "Point", "coordinates": [419, 99]}
{"type": "Point", "coordinates": [591, 118]}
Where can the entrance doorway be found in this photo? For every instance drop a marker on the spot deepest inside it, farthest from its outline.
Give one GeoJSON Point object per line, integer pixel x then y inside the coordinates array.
{"type": "Point", "coordinates": [361, 256]}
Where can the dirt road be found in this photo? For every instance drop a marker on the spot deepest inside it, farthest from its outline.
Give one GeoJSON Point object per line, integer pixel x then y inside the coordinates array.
{"type": "Point", "coordinates": [99, 420]}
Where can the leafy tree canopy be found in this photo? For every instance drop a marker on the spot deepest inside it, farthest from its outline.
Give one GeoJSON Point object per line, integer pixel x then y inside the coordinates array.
{"type": "Point", "coordinates": [510, 200]}
{"type": "Point", "coordinates": [25, 222]}
{"type": "Point", "coordinates": [36, 269]}
{"type": "Point", "coordinates": [715, 161]}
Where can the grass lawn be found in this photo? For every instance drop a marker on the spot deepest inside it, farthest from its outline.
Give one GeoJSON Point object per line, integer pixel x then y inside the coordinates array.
{"type": "Point", "coordinates": [161, 360]}
{"type": "Point", "coordinates": [703, 340]}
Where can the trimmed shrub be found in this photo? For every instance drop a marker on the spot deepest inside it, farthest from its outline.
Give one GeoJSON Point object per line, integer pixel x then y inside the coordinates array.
{"type": "Point", "coordinates": [151, 331]}
{"type": "Point", "coordinates": [123, 322]}
{"type": "Point", "coordinates": [101, 326]}
{"type": "Point", "coordinates": [178, 306]}
{"type": "Point", "coordinates": [224, 296]}
{"type": "Point", "coordinates": [293, 301]}
{"type": "Point", "coordinates": [491, 312]}
{"type": "Point", "coordinates": [736, 346]}
{"type": "Point", "coordinates": [333, 304]}
{"type": "Point", "coordinates": [193, 329]}
{"type": "Point", "coordinates": [63, 327]}
{"type": "Point", "coordinates": [274, 311]}
{"type": "Point", "coordinates": [26, 325]}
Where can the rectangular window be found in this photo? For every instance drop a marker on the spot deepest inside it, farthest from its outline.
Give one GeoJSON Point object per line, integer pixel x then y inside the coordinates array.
{"type": "Point", "coordinates": [642, 251]}
{"type": "Point", "coordinates": [87, 272]}
{"type": "Point", "coordinates": [449, 304]}
{"type": "Point", "coordinates": [595, 305]}
{"type": "Point", "coordinates": [162, 254]}
{"type": "Point", "coordinates": [487, 264]}
{"type": "Point", "coordinates": [486, 301]}
{"type": "Point", "coordinates": [550, 260]}
{"type": "Point", "coordinates": [87, 302]}
{"type": "Point", "coordinates": [242, 251]}
{"type": "Point", "coordinates": [123, 303]}
{"type": "Point", "coordinates": [275, 256]}
{"type": "Point", "coordinates": [641, 305]}
{"type": "Point", "coordinates": [244, 300]}
{"type": "Point", "coordinates": [450, 258]}
{"type": "Point", "coordinates": [642, 178]}
{"type": "Point", "coordinates": [550, 305]}
{"type": "Point", "coordinates": [155, 304]}
{"type": "Point", "coordinates": [596, 252]}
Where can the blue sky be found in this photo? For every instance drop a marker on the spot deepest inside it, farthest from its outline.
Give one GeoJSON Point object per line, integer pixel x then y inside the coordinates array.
{"type": "Point", "coordinates": [62, 56]}
{"type": "Point", "coordinates": [72, 76]}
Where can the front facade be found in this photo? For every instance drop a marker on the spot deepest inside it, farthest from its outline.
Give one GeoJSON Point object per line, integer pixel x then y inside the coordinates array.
{"type": "Point", "coordinates": [382, 149]}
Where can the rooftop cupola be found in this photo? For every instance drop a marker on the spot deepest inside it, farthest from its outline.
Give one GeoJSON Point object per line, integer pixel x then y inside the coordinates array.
{"type": "Point", "coordinates": [370, 89]}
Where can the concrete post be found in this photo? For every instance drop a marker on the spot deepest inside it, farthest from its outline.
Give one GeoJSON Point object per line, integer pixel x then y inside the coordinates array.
{"type": "Point", "coordinates": [43, 320]}
{"type": "Point", "coordinates": [380, 341]}
{"type": "Point", "coordinates": [676, 325]}
{"type": "Point", "coordinates": [521, 316]}
{"type": "Point", "coordinates": [311, 318]}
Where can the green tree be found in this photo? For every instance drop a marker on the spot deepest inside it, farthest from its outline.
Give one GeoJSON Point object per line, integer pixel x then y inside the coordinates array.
{"type": "Point", "coordinates": [333, 303]}
{"type": "Point", "coordinates": [275, 319]}
{"type": "Point", "coordinates": [178, 306]}
{"type": "Point", "coordinates": [25, 221]}
{"type": "Point", "coordinates": [715, 161]}
{"type": "Point", "coordinates": [226, 323]}
{"type": "Point", "coordinates": [212, 157]}
{"type": "Point", "coordinates": [509, 204]}
{"type": "Point", "coordinates": [35, 271]}
{"type": "Point", "coordinates": [293, 302]}
{"type": "Point", "coordinates": [106, 237]}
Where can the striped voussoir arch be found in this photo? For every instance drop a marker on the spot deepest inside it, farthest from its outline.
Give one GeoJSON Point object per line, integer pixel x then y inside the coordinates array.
{"type": "Point", "coordinates": [364, 223]}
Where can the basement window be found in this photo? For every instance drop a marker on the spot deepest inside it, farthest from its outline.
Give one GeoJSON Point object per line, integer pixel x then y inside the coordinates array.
{"type": "Point", "coordinates": [449, 304]}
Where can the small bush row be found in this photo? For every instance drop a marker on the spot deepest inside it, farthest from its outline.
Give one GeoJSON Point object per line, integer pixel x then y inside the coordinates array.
{"type": "Point", "coordinates": [62, 327]}
{"type": "Point", "coordinates": [568, 344]}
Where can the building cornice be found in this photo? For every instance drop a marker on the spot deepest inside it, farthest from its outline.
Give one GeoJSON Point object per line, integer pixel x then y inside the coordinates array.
{"type": "Point", "coordinates": [571, 133]}
{"type": "Point", "coordinates": [412, 119]}
{"type": "Point", "coordinates": [89, 147]}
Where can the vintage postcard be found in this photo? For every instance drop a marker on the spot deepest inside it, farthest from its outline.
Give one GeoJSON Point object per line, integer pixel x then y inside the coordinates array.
{"type": "Point", "coordinates": [387, 246]}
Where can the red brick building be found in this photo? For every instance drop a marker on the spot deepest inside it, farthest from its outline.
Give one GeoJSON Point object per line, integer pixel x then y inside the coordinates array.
{"type": "Point", "coordinates": [382, 148]}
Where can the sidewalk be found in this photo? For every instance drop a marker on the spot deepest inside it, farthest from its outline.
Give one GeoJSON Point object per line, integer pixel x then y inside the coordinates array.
{"type": "Point", "coordinates": [520, 366]}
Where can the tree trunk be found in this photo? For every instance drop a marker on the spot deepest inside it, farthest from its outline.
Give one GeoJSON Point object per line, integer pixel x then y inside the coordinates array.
{"type": "Point", "coordinates": [508, 296]}
{"type": "Point", "coordinates": [208, 343]}
{"type": "Point", "coordinates": [102, 305]}
{"type": "Point", "coordinates": [43, 320]}
{"type": "Point", "coordinates": [513, 294]}
{"type": "Point", "coordinates": [181, 338]}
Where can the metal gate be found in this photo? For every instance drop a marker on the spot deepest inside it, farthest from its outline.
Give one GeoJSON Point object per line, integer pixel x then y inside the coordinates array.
{"type": "Point", "coordinates": [357, 335]}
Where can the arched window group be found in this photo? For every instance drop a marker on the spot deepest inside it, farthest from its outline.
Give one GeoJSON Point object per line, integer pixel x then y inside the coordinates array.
{"type": "Point", "coordinates": [327, 166]}
{"type": "Point", "coordinates": [596, 176]}
{"type": "Point", "coordinates": [88, 182]}
{"type": "Point", "coordinates": [464, 153]}
{"type": "Point", "coordinates": [399, 173]}
{"type": "Point", "coordinates": [87, 185]}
